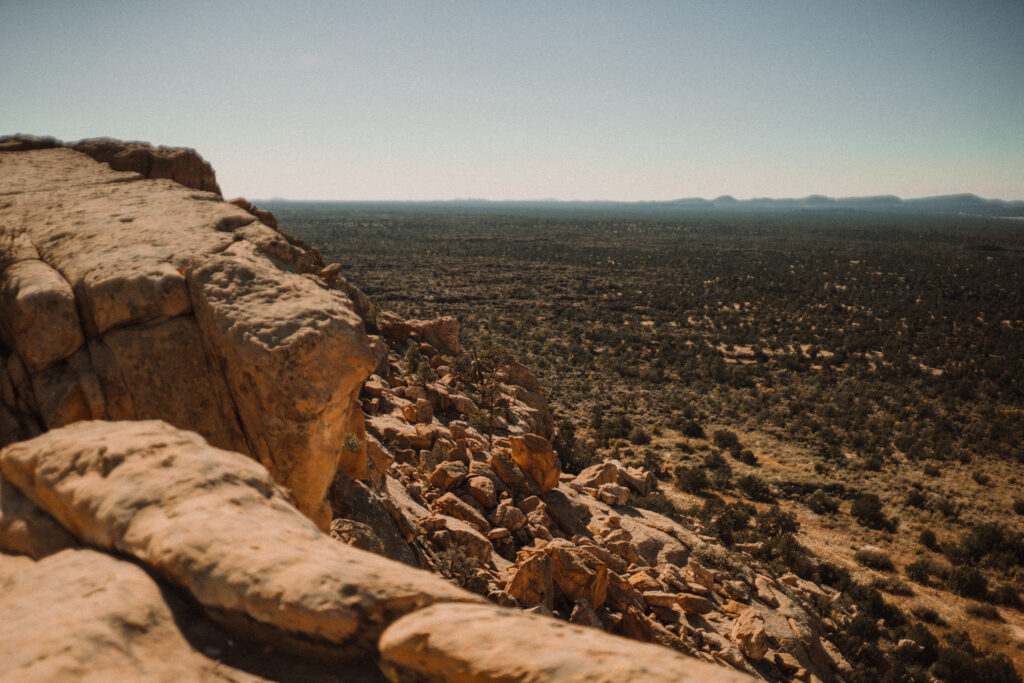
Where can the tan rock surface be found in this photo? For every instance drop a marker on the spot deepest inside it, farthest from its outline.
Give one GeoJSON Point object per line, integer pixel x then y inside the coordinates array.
{"type": "Point", "coordinates": [214, 523]}
{"type": "Point", "coordinates": [27, 530]}
{"type": "Point", "coordinates": [484, 643]}
{"type": "Point", "coordinates": [749, 636]}
{"type": "Point", "coordinates": [83, 615]}
{"type": "Point", "coordinates": [162, 371]}
{"type": "Point", "coordinates": [295, 358]}
{"type": "Point", "coordinates": [180, 164]}
{"type": "Point", "coordinates": [38, 317]}
{"type": "Point", "coordinates": [534, 454]}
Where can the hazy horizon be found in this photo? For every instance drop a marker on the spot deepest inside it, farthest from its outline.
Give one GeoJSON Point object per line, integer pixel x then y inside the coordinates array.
{"type": "Point", "coordinates": [585, 101]}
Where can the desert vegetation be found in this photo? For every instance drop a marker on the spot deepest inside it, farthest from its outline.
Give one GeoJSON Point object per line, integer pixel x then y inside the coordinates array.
{"type": "Point", "coordinates": [843, 388]}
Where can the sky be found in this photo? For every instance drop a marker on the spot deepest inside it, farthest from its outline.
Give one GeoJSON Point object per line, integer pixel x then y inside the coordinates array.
{"type": "Point", "coordinates": [529, 100]}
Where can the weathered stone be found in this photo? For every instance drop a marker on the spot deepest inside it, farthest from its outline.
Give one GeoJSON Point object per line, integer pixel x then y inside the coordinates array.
{"type": "Point", "coordinates": [180, 164]}
{"type": "Point", "coordinates": [694, 604]}
{"type": "Point", "coordinates": [491, 644]}
{"type": "Point", "coordinates": [508, 516]}
{"type": "Point", "coordinates": [38, 317]}
{"type": "Point", "coordinates": [27, 530]}
{"type": "Point", "coordinates": [613, 494]}
{"type": "Point", "coordinates": [420, 412]}
{"type": "Point", "coordinates": [452, 532]}
{"type": "Point", "coordinates": [483, 491]}
{"type": "Point", "coordinates": [748, 635]}
{"type": "Point", "coordinates": [448, 475]}
{"type": "Point", "coordinates": [531, 581]}
{"type": "Point", "coordinates": [643, 581]}
{"type": "Point", "coordinates": [378, 460]}
{"type": "Point", "coordinates": [357, 535]}
{"type": "Point", "coordinates": [295, 359]}
{"type": "Point", "coordinates": [68, 392]}
{"type": "Point", "coordinates": [452, 505]}
{"type": "Point", "coordinates": [83, 615]}
{"type": "Point", "coordinates": [697, 573]}
{"type": "Point", "coordinates": [660, 598]}
{"type": "Point", "coordinates": [584, 615]}
{"type": "Point", "coordinates": [571, 519]}
{"type": "Point", "coordinates": [577, 573]}
{"type": "Point", "coordinates": [512, 475]}
{"type": "Point", "coordinates": [162, 371]}
{"type": "Point", "coordinates": [534, 454]}
{"type": "Point", "coordinates": [596, 475]}
{"type": "Point", "coordinates": [214, 523]}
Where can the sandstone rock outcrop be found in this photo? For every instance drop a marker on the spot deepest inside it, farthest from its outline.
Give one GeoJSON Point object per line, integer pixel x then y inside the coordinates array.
{"type": "Point", "coordinates": [126, 298]}
{"type": "Point", "coordinates": [485, 643]}
{"type": "Point", "coordinates": [83, 615]}
{"type": "Point", "coordinates": [214, 523]}
{"type": "Point", "coordinates": [182, 165]}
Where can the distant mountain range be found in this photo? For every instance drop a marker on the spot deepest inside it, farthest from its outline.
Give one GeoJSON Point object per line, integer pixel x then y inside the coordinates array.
{"type": "Point", "coordinates": [949, 203]}
{"type": "Point", "coordinates": [966, 204]}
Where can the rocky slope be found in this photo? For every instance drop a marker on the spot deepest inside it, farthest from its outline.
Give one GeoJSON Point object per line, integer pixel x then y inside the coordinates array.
{"type": "Point", "coordinates": [191, 402]}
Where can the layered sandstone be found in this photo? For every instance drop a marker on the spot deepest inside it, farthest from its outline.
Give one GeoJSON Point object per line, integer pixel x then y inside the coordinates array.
{"type": "Point", "coordinates": [124, 298]}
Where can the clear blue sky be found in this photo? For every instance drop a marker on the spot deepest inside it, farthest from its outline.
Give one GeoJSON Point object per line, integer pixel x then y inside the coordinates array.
{"type": "Point", "coordinates": [513, 100]}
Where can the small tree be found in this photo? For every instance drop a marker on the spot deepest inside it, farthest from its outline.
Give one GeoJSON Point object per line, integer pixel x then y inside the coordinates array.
{"type": "Point", "coordinates": [479, 371]}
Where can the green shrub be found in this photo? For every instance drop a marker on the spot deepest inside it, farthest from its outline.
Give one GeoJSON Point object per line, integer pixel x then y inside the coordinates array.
{"type": "Point", "coordinates": [867, 510]}
{"type": "Point", "coordinates": [916, 498]}
{"type": "Point", "coordinates": [875, 558]}
{"type": "Point", "coordinates": [927, 614]}
{"type": "Point", "coordinates": [724, 438]}
{"type": "Point", "coordinates": [775, 521]}
{"type": "Point", "coordinates": [1018, 506]}
{"type": "Point", "coordinates": [691, 479]}
{"type": "Point", "coordinates": [656, 501]}
{"type": "Point", "coordinates": [639, 436]}
{"type": "Point", "coordinates": [692, 429]}
{"type": "Point", "coordinates": [755, 488]}
{"type": "Point", "coordinates": [891, 585]}
{"type": "Point", "coordinates": [927, 538]}
{"type": "Point", "coordinates": [919, 571]}
{"type": "Point", "coordinates": [821, 503]}
{"type": "Point", "coordinates": [984, 612]}
{"type": "Point", "coordinates": [968, 582]}
{"type": "Point", "coordinates": [1005, 594]}
{"type": "Point", "coordinates": [462, 570]}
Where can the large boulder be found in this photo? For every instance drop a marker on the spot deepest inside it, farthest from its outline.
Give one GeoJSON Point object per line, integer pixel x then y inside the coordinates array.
{"type": "Point", "coordinates": [295, 359]}
{"type": "Point", "coordinates": [484, 644]}
{"type": "Point", "coordinates": [215, 524]}
{"type": "Point", "coordinates": [749, 636]}
{"type": "Point", "coordinates": [534, 454]}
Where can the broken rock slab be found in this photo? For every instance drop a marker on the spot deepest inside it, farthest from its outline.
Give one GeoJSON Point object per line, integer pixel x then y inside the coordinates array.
{"type": "Point", "coordinates": [485, 643]}
{"type": "Point", "coordinates": [214, 523]}
{"type": "Point", "coordinates": [83, 615]}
